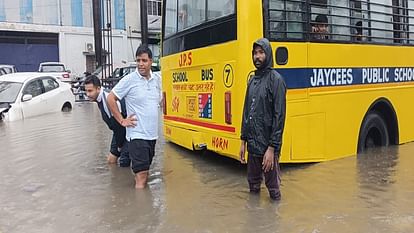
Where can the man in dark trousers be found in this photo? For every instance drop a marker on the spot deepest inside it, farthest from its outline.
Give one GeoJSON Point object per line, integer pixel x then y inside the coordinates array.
{"type": "Point", "coordinates": [263, 122]}
{"type": "Point", "coordinates": [119, 150]}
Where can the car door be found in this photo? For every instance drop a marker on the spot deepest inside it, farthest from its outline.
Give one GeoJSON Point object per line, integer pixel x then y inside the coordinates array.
{"type": "Point", "coordinates": [37, 105]}
{"type": "Point", "coordinates": [52, 94]}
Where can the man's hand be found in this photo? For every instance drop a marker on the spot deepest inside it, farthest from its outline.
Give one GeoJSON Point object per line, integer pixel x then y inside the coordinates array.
{"type": "Point", "coordinates": [130, 121]}
{"type": "Point", "coordinates": [268, 159]}
{"type": "Point", "coordinates": [243, 152]}
{"type": "Point", "coordinates": [161, 103]}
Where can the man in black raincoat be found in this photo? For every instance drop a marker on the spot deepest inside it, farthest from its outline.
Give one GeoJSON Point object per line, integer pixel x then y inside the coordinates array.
{"type": "Point", "coordinates": [263, 122]}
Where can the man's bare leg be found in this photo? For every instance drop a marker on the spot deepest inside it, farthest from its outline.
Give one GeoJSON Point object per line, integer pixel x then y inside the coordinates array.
{"type": "Point", "coordinates": [111, 158]}
{"type": "Point", "coordinates": [141, 179]}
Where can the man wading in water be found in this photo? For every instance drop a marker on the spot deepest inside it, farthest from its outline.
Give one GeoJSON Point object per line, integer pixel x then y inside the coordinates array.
{"type": "Point", "coordinates": [263, 122]}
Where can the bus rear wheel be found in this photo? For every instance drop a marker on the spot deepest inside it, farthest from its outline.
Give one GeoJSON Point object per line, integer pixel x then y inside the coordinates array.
{"type": "Point", "coordinates": [373, 133]}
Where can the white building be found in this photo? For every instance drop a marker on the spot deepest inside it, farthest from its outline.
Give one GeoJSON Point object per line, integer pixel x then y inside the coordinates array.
{"type": "Point", "coordinates": [34, 31]}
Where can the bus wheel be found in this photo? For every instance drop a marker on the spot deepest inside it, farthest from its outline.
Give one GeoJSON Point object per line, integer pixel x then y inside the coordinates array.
{"type": "Point", "coordinates": [373, 133]}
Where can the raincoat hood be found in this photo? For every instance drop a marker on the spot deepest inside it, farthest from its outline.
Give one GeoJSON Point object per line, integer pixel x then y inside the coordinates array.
{"type": "Point", "coordinates": [265, 44]}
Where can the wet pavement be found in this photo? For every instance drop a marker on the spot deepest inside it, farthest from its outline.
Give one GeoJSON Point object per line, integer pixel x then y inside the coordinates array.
{"type": "Point", "coordinates": [54, 178]}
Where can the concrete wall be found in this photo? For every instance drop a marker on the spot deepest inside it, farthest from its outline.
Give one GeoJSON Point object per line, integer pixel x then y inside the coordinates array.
{"type": "Point", "coordinates": [132, 45]}
{"type": "Point", "coordinates": [73, 48]}
{"type": "Point", "coordinates": [76, 13]}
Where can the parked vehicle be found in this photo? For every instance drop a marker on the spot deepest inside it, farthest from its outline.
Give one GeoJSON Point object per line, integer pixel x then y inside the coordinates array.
{"type": "Point", "coordinates": [57, 69]}
{"type": "Point", "coordinates": [2, 71]}
{"type": "Point", "coordinates": [28, 94]}
{"type": "Point", "coordinates": [121, 72]}
{"type": "Point", "coordinates": [7, 69]}
{"type": "Point", "coordinates": [78, 87]}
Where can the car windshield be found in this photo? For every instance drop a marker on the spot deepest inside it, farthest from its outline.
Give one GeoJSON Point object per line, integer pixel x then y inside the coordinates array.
{"type": "Point", "coordinates": [9, 91]}
{"type": "Point", "coordinates": [128, 70]}
{"type": "Point", "coordinates": [53, 68]}
{"type": "Point", "coordinates": [7, 69]}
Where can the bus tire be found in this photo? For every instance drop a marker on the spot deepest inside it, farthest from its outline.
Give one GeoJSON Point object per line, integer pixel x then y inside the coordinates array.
{"type": "Point", "coordinates": [373, 133]}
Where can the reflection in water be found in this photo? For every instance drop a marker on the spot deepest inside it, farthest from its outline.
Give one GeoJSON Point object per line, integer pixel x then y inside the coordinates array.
{"type": "Point", "coordinates": [54, 178]}
{"type": "Point", "coordinates": [381, 186]}
{"type": "Point", "coordinates": [376, 174]}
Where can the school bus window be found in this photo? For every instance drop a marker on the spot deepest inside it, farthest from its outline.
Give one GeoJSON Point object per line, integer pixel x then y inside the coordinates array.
{"type": "Point", "coordinates": [171, 17]}
{"type": "Point", "coordinates": [184, 14]}
{"type": "Point", "coordinates": [340, 25]}
{"type": "Point", "coordinates": [356, 5]}
{"type": "Point", "coordinates": [321, 21]}
{"type": "Point", "coordinates": [400, 20]}
{"type": "Point", "coordinates": [190, 13]}
{"type": "Point", "coordinates": [359, 20]}
{"type": "Point", "coordinates": [410, 21]}
{"type": "Point", "coordinates": [381, 25]}
{"type": "Point", "coordinates": [388, 22]}
{"type": "Point", "coordinates": [320, 3]}
{"type": "Point", "coordinates": [286, 19]}
{"type": "Point", "coordinates": [182, 17]}
{"type": "Point", "coordinates": [320, 28]}
{"type": "Point", "coordinates": [357, 32]}
{"type": "Point", "coordinates": [219, 8]}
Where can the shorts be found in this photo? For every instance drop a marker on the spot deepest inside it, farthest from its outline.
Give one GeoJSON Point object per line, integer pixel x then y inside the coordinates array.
{"type": "Point", "coordinates": [123, 154]}
{"type": "Point", "coordinates": [141, 153]}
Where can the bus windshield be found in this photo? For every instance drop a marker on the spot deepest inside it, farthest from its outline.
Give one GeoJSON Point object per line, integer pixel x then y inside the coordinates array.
{"type": "Point", "coordinates": [184, 14]}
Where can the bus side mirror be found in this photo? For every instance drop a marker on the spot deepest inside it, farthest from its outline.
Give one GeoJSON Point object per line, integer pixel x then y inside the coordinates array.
{"type": "Point", "coordinates": [282, 56]}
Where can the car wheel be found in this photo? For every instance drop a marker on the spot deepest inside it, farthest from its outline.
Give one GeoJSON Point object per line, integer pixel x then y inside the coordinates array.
{"type": "Point", "coordinates": [67, 107]}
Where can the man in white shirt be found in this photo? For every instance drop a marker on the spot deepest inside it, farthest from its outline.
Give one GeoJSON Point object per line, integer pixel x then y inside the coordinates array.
{"type": "Point", "coordinates": [142, 93]}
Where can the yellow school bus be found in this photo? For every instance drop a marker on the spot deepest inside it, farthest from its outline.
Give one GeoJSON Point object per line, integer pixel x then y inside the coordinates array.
{"type": "Point", "coordinates": [348, 66]}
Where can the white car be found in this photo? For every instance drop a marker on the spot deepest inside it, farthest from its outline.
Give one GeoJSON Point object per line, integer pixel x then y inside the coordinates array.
{"type": "Point", "coordinates": [7, 69]}
{"type": "Point", "coordinates": [24, 95]}
{"type": "Point", "coordinates": [56, 69]}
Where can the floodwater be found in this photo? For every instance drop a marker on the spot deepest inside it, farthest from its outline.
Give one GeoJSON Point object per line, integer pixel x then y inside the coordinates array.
{"type": "Point", "coordinates": [54, 178]}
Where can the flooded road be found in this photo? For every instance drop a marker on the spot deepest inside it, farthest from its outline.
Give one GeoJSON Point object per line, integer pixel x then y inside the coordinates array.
{"type": "Point", "coordinates": [54, 178]}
